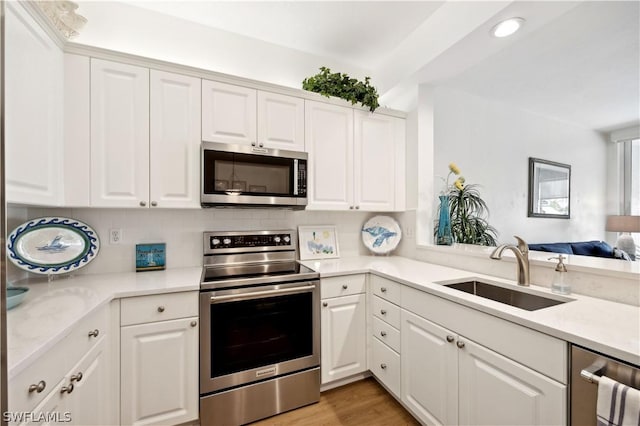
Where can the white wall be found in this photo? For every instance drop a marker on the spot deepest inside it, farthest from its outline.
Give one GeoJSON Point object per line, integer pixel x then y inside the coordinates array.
{"type": "Point", "coordinates": [491, 143]}
{"type": "Point", "coordinates": [182, 230]}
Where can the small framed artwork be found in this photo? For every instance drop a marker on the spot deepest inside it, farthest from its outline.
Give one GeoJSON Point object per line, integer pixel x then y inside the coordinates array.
{"type": "Point", "coordinates": [318, 242]}
{"type": "Point", "coordinates": [150, 257]}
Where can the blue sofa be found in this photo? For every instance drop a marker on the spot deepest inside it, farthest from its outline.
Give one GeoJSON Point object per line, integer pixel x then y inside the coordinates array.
{"type": "Point", "coordinates": [583, 248]}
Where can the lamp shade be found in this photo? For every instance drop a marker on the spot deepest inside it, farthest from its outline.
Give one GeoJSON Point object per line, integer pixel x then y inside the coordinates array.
{"type": "Point", "coordinates": [623, 223]}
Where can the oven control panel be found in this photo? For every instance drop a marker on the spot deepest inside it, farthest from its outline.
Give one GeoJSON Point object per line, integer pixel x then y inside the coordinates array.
{"type": "Point", "coordinates": [226, 241]}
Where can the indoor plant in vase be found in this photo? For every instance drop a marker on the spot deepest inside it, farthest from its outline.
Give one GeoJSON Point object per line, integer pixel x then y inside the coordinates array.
{"type": "Point", "coordinates": [341, 85]}
{"type": "Point", "coordinates": [462, 214]}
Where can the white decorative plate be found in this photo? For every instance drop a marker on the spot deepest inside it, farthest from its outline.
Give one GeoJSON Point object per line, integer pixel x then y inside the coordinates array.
{"type": "Point", "coordinates": [381, 234]}
{"type": "Point", "coordinates": [52, 245]}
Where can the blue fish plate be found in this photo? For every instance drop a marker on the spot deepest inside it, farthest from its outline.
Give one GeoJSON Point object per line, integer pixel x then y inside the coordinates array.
{"type": "Point", "coordinates": [381, 234]}
{"type": "Point", "coordinates": [52, 245]}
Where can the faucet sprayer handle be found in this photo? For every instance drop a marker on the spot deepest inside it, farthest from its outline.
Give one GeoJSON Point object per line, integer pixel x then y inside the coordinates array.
{"type": "Point", "coordinates": [522, 245]}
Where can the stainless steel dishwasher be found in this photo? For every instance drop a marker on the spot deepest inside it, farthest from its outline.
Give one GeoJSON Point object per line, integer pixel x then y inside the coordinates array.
{"type": "Point", "coordinates": [586, 368]}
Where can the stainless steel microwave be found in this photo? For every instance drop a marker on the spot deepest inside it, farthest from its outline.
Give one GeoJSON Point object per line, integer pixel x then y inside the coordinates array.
{"type": "Point", "coordinates": [251, 176]}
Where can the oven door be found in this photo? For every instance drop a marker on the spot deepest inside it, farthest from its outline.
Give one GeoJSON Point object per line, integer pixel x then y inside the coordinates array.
{"type": "Point", "coordinates": [255, 333]}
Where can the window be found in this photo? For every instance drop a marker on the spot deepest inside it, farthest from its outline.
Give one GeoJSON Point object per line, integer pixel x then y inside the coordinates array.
{"type": "Point", "coordinates": [631, 183]}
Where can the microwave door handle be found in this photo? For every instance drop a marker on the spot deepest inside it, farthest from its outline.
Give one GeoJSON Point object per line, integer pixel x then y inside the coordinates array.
{"type": "Point", "coordinates": [262, 293]}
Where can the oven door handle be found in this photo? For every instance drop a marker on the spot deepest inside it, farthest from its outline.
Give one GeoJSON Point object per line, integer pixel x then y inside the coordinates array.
{"type": "Point", "coordinates": [263, 293]}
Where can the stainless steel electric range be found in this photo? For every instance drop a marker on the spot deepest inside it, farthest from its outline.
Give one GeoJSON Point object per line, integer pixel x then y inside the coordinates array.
{"type": "Point", "coordinates": [259, 327]}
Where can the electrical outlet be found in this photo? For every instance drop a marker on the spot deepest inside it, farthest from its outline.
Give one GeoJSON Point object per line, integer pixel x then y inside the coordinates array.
{"type": "Point", "coordinates": [115, 236]}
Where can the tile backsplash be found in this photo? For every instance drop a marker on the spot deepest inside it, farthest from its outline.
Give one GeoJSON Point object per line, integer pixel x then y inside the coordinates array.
{"type": "Point", "coordinates": [182, 230]}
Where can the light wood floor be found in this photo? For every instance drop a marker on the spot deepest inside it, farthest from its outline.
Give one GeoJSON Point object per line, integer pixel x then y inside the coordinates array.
{"type": "Point", "coordinates": [361, 403]}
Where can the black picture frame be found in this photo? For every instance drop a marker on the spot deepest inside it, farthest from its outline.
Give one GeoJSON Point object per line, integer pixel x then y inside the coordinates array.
{"type": "Point", "coordinates": [549, 189]}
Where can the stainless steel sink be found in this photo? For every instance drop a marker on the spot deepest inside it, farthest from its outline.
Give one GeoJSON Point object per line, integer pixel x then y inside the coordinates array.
{"type": "Point", "coordinates": [517, 298]}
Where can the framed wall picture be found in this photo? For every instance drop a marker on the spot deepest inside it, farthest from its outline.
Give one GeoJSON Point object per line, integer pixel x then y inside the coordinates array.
{"type": "Point", "coordinates": [549, 189]}
{"type": "Point", "coordinates": [150, 257]}
{"type": "Point", "coordinates": [318, 242]}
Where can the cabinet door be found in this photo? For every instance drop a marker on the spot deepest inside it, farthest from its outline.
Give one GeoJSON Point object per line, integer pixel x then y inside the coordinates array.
{"type": "Point", "coordinates": [280, 121]}
{"type": "Point", "coordinates": [159, 372]}
{"type": "Point", "coordinates": [174, 140]}
{"type": "Point", "coordinates": [119, 135]}
{"type": "Point", "coordinates": [498, 391]}
{"type": "Point", "coordinates": [375, 167]}
{"type": "Point", "coordinates": [344, 343]}
{"type": "Point", "coordinates": [90, 402]}
{"type": "Point", "coordinates": [228, 113]}
{"type": "Point", "coordinates": [33, 111]}
{"type": "Point", "coordinates": [429, 365]}
{"type": "Point", "coordinates": [329, 142]}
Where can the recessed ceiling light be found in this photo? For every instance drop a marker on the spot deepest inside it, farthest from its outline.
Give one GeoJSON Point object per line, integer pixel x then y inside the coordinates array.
{"type": "Point", "coordinates": [507, 27]}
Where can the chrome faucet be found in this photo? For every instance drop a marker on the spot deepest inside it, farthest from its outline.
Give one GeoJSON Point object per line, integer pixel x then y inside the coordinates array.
{"type": "Point", "coordinates": [522, 257]}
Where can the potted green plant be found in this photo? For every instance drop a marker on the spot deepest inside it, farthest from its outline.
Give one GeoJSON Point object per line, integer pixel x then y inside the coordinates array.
{"type": "Point", "coordinates": [341, 85]}
{"type": "Point", "coordinates": [467, 213]}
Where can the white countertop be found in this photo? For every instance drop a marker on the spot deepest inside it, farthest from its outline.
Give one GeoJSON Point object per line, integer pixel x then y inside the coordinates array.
{"type": "Point", "coordinates": [51, 309]}
{"type": "Point", "coordinates": [604, 326]}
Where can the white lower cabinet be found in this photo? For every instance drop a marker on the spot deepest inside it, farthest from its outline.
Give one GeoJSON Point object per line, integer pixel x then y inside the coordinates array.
{"type": "Point", "coordinates": [159, 360]}
{"type": "Point", "coordinates": [449, 379]}
{"type": "Point", "coordinates": [343, 327]}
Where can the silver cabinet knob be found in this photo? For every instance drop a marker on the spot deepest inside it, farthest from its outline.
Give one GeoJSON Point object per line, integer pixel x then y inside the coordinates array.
{"type": "Point", "coordinates": [325, 304]}
{"type": "Point", "coordinates": [38, 387]}
{"type": "Point", "coordinates": [260, 144]}
{"type": "Point", "coordinates": [357, 207]}
{"type": "Point", "coordinates": [350, 207]}
{"type": "Point", "coordinates": [143, 203]}
{"type": "Point", "coordinates": [450, 338]}
{"type": "Point", "coordinates": [160, 309]}
{"type": "Point", "coordinates": [460, 344]}
{"type": "Point", "coordinates": [94, 333]}
{"type": "Point", "coordinates": [344, 286]}
{"type": "Point", "coordinates": [383, 289]}
{"type": "Point", "coordinates": [67, 389]}
{"type": "Point", "coordinates": [154, 203]}
{"type": "Point", "coordinates": [253, 144]}
{"type": "Point", "coordinates": [383, 366]}
{"type": "Point", "coordinates": [194, 323]}
{"type": "Point", "coordinates": [383, 312]}
{"type": "Point", "coordinates": [383, 333]}
{"type": "Point", "coordinates": [76, 377]}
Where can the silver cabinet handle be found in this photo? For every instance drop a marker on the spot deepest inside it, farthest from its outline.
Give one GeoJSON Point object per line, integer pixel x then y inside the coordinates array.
{"type": "Point", "coordinates": [76, 377]}
{"type": "Point", "coordinates": [325, 304]}
{"type": "Point", "coordinates": [39, 387]}
{"type": "Point", "coordinates": [194, 323]}
{"type": "Point", "coordinates": [460, 344]}
{"type": "Point", "coordinates": [67, 389]}
{"type": "Point", "coordinates": [450, 338]}
{"type": "Point", "coordinates": [383, 366]}
{"type": "Point", "coordinates": [160, 309]}
{"type": "Point", "coordinates": [383, 312]}
{"type": "Point", "coordinates": [383, 333]}
{"type": "Point", "coordinates": [383, 289]}
{"type": "Point", "coordinates": [154, 203]}
{"type": "Point", "coordinates": [143, 203]}
{"type": "Point", "coordinates": [94, 333]}
{"type": "Point", "coordinates": [344, 286]}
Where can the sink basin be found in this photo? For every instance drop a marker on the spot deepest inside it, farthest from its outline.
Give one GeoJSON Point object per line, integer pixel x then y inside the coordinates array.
{"type": "Point", "coordinates": [517, 298]}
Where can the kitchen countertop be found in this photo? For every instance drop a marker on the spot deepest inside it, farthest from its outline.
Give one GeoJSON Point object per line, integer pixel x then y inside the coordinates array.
{"type": "Point", "coordinates": [50, 310]}
{"type": "Point", "coordinates": [604, 326]}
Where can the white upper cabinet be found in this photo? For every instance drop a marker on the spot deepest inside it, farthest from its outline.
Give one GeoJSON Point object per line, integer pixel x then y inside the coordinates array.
{"type": "Point", "coordinates": [228, 113]}
{"type": "Point", "coordinates": [33, 107]}
{"type": "Point", "coordinates": [119, 134]}
{"type": "Point", "coordinates": [175, 140]}
{"type": "Point", "coordinates": [240, 115]}
{"type": "Point", "coordinates": [356, 159]}
{"type": "Point", "coordinates": [329, 142]}
{"type": "Point", "coordinates": [280, 121]}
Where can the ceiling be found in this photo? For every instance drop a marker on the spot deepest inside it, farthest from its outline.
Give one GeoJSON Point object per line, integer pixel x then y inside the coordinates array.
{"type": "Point", "coordinates": [575, 61]}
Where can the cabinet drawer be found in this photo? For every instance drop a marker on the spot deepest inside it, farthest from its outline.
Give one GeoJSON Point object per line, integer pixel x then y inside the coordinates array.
{"type": "Point", "coordinates": [387, 289]}
{"type": "Point", "coordinates": [342, 286]}
{"type": "Point", "coordinates": [386, 311]}
{"type": "Point", "coordinates": [86, 334]}
{"type": "Point", "coordinates": [386, 366]}
{"type": "Point", "coordinates": [159, 307]}
{"type": "Point", "coordinates": [386, 334]}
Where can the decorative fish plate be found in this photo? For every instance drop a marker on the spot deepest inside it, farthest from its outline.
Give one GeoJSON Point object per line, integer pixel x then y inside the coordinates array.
{"type": "Point", "coordinates": [52, 245]}
{"type": "Point", "coordinates": [381, 234]}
